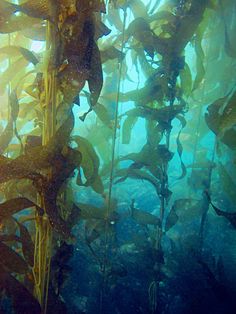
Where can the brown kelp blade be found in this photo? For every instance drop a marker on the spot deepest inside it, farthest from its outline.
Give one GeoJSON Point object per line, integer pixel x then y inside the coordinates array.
{"type": "Point", "coordinates": [27, 244]}
{"type": "Point", "coordinates": [6, 136]}
{"type": "Point", "coordinates": [12, 51]}
{"type": "Point", "coordinates": [87, 211]}
{"type": "Point", "coordinates": [95, 79]}
{"type": "Point", "coordinates": [23, 301]}
{"type": "Point", "coordinates": [171, 219]}
{"type": "Point", "coordinates": [12, 261]}
{"type": "Point", "coordinates": [94, 229]}
{"type": "Point", "coordinates": [231, 217]}
{"type": "Point", "coordinates": [90, 165]}
{"type": "Point", "coordinates": [62, 170]}
{"type": "Point", "coordinates": [137, 174]}
{"type": "Point", "coordinates": [38, 158]}
{"type": "Point", "coordinates": [143, 217]}
{"type": "Point", "coordinates": [6, 10]}
{"type": "Point", "coordinates": [37, 8]}
{"type": "Point", "coordinates": [9, 238]}
{"type": "Point", "coordinates": [13, 206]}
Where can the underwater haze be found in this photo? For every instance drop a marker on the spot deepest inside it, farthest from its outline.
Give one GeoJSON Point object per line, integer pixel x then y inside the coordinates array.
{"type": "Point", "coordinates": [117, 156]}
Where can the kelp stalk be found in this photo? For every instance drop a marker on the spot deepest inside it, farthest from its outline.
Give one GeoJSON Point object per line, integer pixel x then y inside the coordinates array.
{"type": "Point", "coordinates": [43, 238]}
{"type": "Point", "coordinates": [206, 202]}
{"type": "Point", "coordinates": [111, 177]}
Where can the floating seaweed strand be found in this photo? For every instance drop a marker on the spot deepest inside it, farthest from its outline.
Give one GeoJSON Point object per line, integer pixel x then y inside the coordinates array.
{"type": "Point", "coordinates": [152, 295]}
{"type": "Point", "coordinates": [11, 93]}
{"type": "Point", "coordinates": [196, 142]}
{"type": "Point", "coordinates": [206, 203]}
{"type": "Point", "coordinates": [208, 181]}
{"type": "Point", "coordinates": [111, 178]}
{"type": "Point", "coordinates": [196, 139]}
{"type": "Point", "coordinates": [154, 285]}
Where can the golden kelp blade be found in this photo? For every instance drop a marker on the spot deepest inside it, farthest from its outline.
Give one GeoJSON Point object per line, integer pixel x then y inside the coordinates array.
{"type": "Point", "coordinates": [230, 216]}
{"type": "Point", "coordinates": [90, 165]}
{"type": "Point", "coordinates": [6, 136]}
{"type": "Point", "coordinates": [6, 10]}
{"type": "Point", "coordinates": [228, 116]}
{"type": "Point", "coordinates": [91, 6]}
{"type": "Point", "coordinates": [26, 24]}
{"type": "Point", "coordinates": [37, 9]}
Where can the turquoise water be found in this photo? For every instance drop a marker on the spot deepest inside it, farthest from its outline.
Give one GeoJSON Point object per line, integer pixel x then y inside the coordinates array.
{"type": "Point", "coordinates": [117, 166]}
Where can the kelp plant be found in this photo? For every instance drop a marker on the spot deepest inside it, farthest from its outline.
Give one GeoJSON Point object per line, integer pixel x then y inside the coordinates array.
{"type": "Point", "coordinates": [62, 116]}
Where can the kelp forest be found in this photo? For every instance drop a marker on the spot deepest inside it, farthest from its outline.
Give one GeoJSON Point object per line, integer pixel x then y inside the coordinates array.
{"type": "Point", "coordinates": [117, 156]}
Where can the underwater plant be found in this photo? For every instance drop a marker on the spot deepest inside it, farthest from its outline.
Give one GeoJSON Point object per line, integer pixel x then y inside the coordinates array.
{"type": "Point", "coordinates": [117, 142]}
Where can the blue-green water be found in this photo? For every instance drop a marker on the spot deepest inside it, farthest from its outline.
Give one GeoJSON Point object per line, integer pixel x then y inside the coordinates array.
{"type": "Point", "coordinates": [117, 166]}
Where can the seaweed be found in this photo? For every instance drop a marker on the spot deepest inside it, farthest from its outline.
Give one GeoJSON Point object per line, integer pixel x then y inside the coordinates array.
{"type": "Point", "coordinates": [23, 300]}
{"type": "Point", "coordinates": [231, 217]}
{"type": "Point", "coordinates": [89, 164]}
{"type": "Point", "coordinates": [109, 111]}
{"type": "Point", "coordinates": [222, 124]}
